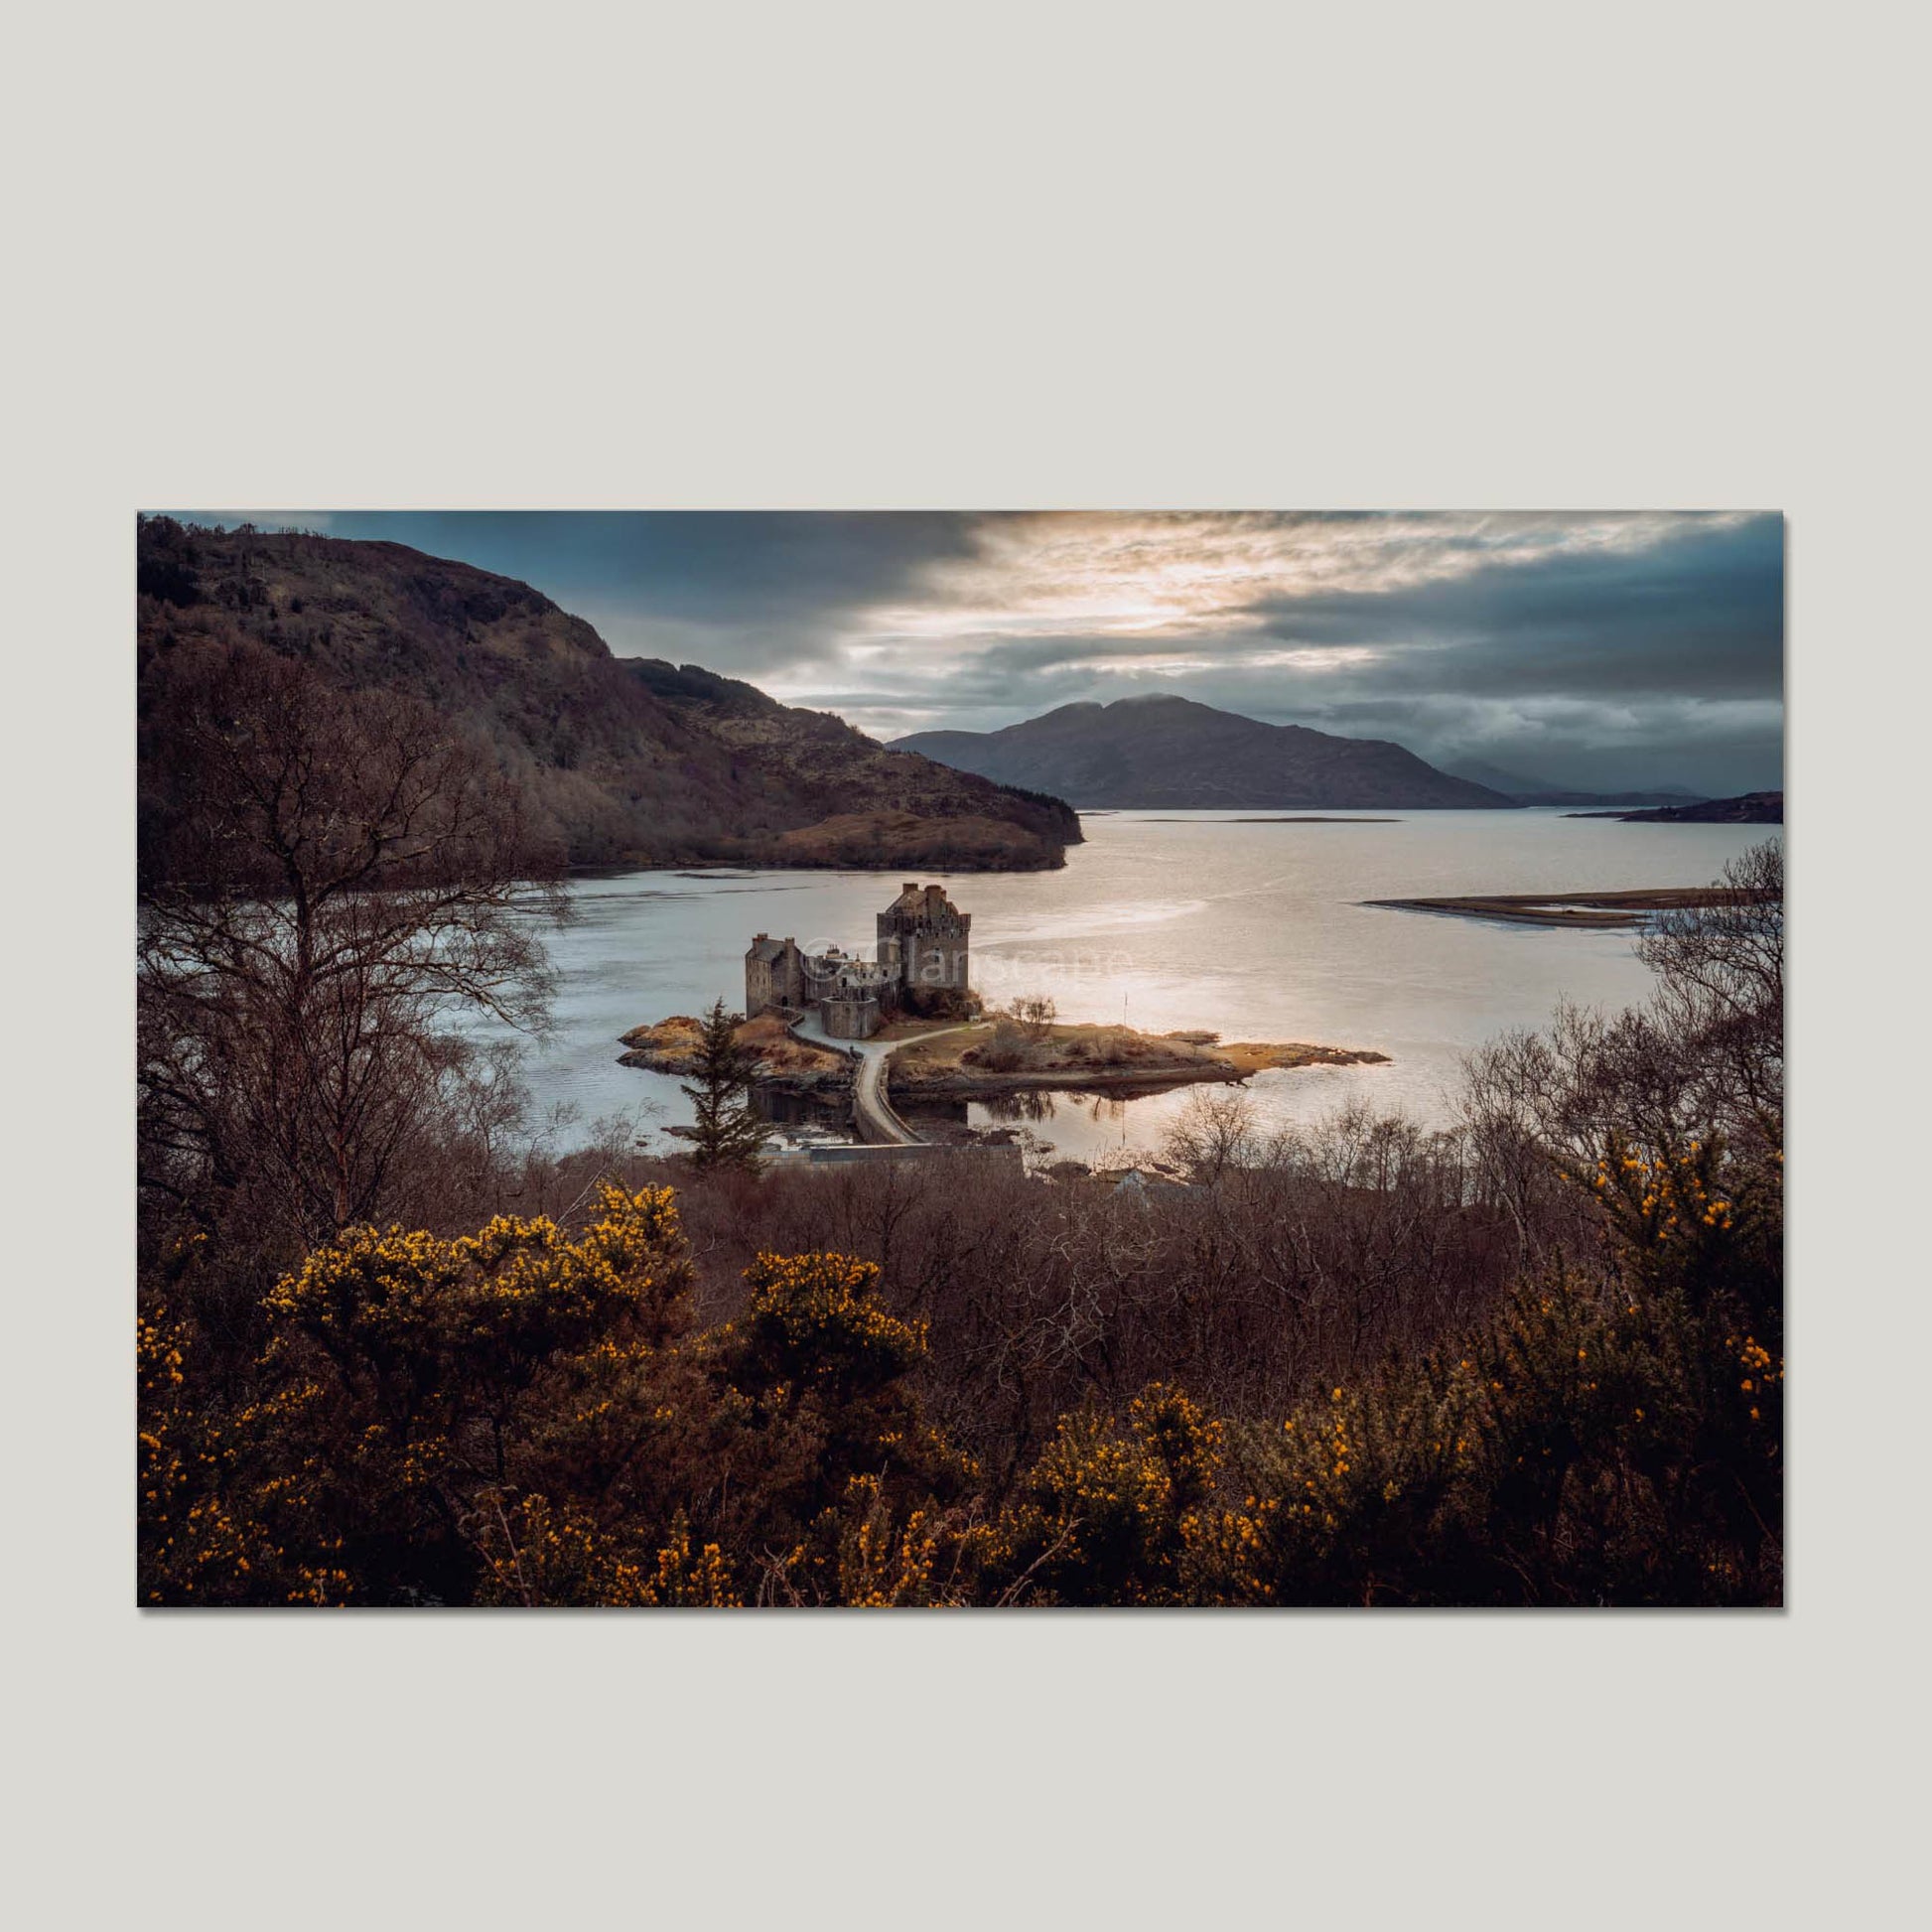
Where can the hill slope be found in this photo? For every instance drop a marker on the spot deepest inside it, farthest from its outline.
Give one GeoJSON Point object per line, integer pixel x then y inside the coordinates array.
{"type": "Point", "coordinates": [1750, 808]}
{"type": "Point", "coordinates": [1539, 791]}
{"type": "Point", "coordinates": [619, 760]}
{"type": "Point", "coordinates": [1172, 752]}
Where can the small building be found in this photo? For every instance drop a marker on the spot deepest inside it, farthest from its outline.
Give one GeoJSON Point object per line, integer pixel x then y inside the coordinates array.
{"type": "Point", "coordinates": [850, 996]}
{"type": "Point", "coordinates": [774, 974]}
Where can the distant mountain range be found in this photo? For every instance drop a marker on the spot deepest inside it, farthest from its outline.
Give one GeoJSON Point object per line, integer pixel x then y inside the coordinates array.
{"type": "Point", "coordinates": [1158, 751]}
{"type": "Point", "coordinates": [1539, 791]}
{"type": "Point", "coordinates": [1750, 808]}
{"type": "Point", "coordinates": [619, 760]}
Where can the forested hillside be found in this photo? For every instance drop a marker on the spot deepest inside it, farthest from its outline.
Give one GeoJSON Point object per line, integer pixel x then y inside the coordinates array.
{"type": "Point", "coordinates": [613, 760]}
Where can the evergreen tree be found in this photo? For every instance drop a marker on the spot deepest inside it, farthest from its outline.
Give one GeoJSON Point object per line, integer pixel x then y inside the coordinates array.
{"type": "Point", "coordinates": [727, 1131]}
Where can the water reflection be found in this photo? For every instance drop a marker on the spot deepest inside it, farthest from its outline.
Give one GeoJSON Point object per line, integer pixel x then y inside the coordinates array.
{"type": "Point", "coordinates": [1016, 1107]}
{"type": "Point", "coordinates": [1252, 930]}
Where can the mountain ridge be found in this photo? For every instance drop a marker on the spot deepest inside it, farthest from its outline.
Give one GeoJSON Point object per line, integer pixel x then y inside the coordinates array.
{"type": "Point", "coordinates": [1155, 750]}
{"type": "Point", "coordinates": [619, 760]}
{"type": "Point", "coordinates": [1747, 808]}
{"type": "Point", "coordinates": [1539, 791]}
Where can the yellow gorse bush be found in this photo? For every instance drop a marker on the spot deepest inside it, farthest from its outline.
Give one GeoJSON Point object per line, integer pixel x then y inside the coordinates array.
{"type": "Point", "coordinates": [531, 1415]}
{"type": "Point", "coordinates": [1674, 1210]}
{"type": "Point", "coordinates": [537, 1553]}
{"type": "Point", "coordinates": [1099, 1517]}
{"type": "Point", "coordinates": [513, 1281]}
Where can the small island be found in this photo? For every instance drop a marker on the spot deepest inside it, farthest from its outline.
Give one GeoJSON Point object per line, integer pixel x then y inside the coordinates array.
{"type": "Point", "coordinates": [994, 1054]}
{"type": "Point", "coordinates": [1606, 910]}
{"type": "Point", "coordinates": [784, 1063]}
{"type": "Point", "coordinates": [1006, 1053]}
{"type": "Point", "coordinates": [908, 1020]}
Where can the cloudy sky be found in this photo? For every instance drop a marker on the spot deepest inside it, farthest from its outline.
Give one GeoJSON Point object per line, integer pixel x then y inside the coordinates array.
{"type": "Point", "coordinates": [1583, 648]}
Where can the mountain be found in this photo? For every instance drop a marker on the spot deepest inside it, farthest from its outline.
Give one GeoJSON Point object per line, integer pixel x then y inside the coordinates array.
{"type": "Point", "coordinates": [619, 760]}
{"type": "Point", "coordinates": [1539, 791]}
{"type": "Point", "coordinates": [1750, 808]}
{"type": "Point", "coordinates": [1164, 751]}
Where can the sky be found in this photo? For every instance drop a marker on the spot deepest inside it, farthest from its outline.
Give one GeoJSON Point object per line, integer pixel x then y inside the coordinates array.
{"type": "Point", "coordinates": [1598, 651]}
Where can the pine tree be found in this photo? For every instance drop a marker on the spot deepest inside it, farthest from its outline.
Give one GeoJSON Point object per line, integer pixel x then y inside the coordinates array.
{"type": "Point", "coordinates": [727, 1131]}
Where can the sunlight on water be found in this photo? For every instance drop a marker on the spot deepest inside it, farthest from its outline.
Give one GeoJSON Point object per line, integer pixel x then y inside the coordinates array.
{"type": "Point", "coordinates": [1252, 930]}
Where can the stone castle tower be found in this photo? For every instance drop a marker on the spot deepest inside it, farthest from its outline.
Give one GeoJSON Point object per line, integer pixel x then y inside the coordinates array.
{"type": "Point", "coordinates": [774, 974]}
{"type": "Point", "coordinates": [923, 942]}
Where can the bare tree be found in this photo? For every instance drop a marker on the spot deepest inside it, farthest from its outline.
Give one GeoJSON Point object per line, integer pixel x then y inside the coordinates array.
{"type": "Point", "coordinates": [1035, 1013]}
{"type": "Point", "coordinates": [1703, 1059]}
{"type": "Point", "coordinates": [1215, 1131]}
{"type": "Point", "coordinates": [1720, 993]}
{"type": "Point", "coordinates": [341, 879]}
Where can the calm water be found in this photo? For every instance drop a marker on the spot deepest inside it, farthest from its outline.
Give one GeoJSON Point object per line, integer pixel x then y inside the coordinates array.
{"type": "Point", "coordinates": [1251, 930]}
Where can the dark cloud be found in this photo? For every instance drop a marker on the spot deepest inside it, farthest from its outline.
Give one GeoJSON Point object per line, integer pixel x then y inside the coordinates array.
{"type": "Point", "coordinates": [1700, 614]}
{"type": "Point", "coordinates": [1588, 649]}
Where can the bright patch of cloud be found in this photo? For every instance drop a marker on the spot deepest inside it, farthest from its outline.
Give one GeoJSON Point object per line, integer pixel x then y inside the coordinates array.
{"type": "Point", "coordinates": [1582, 641]}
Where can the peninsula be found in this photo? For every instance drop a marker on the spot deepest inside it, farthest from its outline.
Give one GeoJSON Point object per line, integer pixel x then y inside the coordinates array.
{"type": "Point", "coordinates": [1749, 808]}
{"type": "Point", "coordinates": [1602, 909]}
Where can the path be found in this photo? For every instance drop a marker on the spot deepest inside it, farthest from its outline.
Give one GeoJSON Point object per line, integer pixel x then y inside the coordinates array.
{"type": "Point", "coordinates": [872, 1113]}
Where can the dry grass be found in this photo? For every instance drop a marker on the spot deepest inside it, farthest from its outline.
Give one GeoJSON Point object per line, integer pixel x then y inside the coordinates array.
{"type": "Point", "coordinates": [671, 1047]}
{"type": "Point", "coordinates": [1002, 1053]}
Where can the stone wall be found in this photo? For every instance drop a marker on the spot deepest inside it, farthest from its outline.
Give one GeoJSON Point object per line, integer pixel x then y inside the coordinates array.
{"type": "Point", "coordinates": [850, 1018]}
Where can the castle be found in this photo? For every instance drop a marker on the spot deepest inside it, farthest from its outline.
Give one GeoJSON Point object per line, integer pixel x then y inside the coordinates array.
{"type": "Point", "coordinates": [920, 968]}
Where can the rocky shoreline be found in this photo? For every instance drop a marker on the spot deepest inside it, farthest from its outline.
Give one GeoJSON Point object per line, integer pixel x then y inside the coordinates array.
{"type": "Point", "coordinates": [959, 1064]}
{"type": "Point", "coordinates": [784, 1063]}
{"type": "Point", "coordinates": [998, 1057]}
{"type": "Point", "coordinates": [1749, 808]}
{"type": "Point", "coordinates": [1601, 910]}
